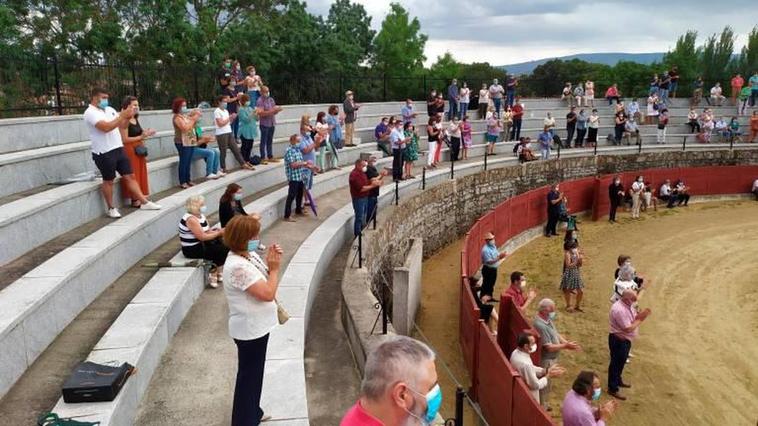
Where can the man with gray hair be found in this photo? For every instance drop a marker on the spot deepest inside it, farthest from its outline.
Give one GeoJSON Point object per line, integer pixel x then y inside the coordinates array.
{"type": "Point", "coordinates": [551, 341]}
{"type": "Point", "coordinates": [399, 386]}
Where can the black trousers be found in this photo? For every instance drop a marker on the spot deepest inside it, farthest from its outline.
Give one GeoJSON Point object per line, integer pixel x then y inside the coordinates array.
{"type": "Point", "coordinates": [251, 361]}
{"type": "Point", "coordinates": [580, 137]}
{"type": "Point", "coordinates": [569, 135]}
{"type": "Point", "coordinates": [213, 250]}
{"type": "Point", "coordinates": [455, 148]}
{"type": "Point", "coordinates": [614, 207]}
{"type": "Point", "coordinates": [669, 199]}
{"type": "Point", "coordinates": [619, 352]}
{"type": "Point", "coordinates": [619, 133]}
{"type": "Point", "coordinates": [516, 131]}
{"type": "Point", "coordinates": [294, 193]}
{"type": "Point", "coordinates": [397, 163]}
{"type": "Point", "coordinates": [552, 222]}
{"type": "Point", "coordinates": [592, 135]}
{"type": "Point", "coordinates": [694, 126]}
{"type": "Point", "coordinates": [246, 148]}
{"type": "Point", "coordinates": [489, 277]}
{"type": "Point", "coordinates": [683, 198]}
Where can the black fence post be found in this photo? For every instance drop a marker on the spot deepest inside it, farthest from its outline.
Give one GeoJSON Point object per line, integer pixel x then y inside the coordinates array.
{"type": "Point", "coordinates": [423, 94]}
{"type": "Point", "coordinates": [684, 143]}
{"type": "Point", "coordinates": [639, 142]}
{"type": "Point", "coordinates": [397, 192]}
{"type": "Point", "coordinates": [384, 84]}
{"type": "Point", "coordinates": [731, 143]}
{"type": "Point", "coordinates": [459, 395]}
{"type": "Point", "coordinates": [452, 167]}
{"type": "Point", "coordinates": [196, 89]}
{"type": "Point", "coordinates": [384, 308]}
{"type": "Point", "coordinates": [339, 94]}
{"type": "Point", "coordinates": [134, 81]}
{"type": "Point", "coordinates": [559, 151]}
{"type": "Point", "coordinates": [59, 105]}
{"type": "Point", "coordinates": [423, 178]}
{"type": "Point", "coordinates": [360, 250]}
{"type": "Point", "coordinates": [595, 147]}
{"type": "Point", "coordinates": [486, 154]}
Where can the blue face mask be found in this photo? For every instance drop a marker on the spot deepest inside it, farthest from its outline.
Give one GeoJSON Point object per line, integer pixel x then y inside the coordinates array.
{"type": "Point", "coordinates": [491, 243]}
{"type": "Point", "coordinates": [103, 103]}
{"type": "Point", "coordinates": [237, 196]}
{"type": "Point", "coordinates": [203, 209]}
{"type": "Point", "coordinates": [433, 403]}
{"type": "Point", "coordinates": [185, 109]}
{"type": "Point", "coordinates": [552, 315]}
{"type": "Point", "coordinates": [596, 393]}
{"type": "Point", "coordinates": [222, 105]}
{"type": "Point", "coordinates": [252, 245]}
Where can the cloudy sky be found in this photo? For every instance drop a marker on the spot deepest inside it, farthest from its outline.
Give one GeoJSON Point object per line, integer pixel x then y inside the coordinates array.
{"type": "Point", "coordinates": [509, 31]}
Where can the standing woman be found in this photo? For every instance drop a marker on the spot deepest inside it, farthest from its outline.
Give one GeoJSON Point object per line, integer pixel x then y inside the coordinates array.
{"type": "Point", "coordinates": [323, 142]}
{"type": "Point", "coordinates": [652, 108]}
{"type": "Point", "coordinates": [250, 286]}
{"type": "Point", "coordinates": [493, 130]}
{"type": "Point", "coordinates": [133, 138]}
{"type": "Point", "coordinates": [589, 93]}
{"type": "Point", "coordinates": [466, 135]}
{"type": "Point", "coordinates": [433, 133]}
{"type": "Point", "coordinates": [464, 96]}
{"type": "Point", "coordinates": [454, 133]}
{"type": "Point", "coordinates": [571, 281]}
{"type": "Point", "coordinates": [620, 121]}
{"type": "Point", "coordinates": [335, 129]}
{"type": "Point", "coordinates": [248, 128]}
{"type": "Point", "coordinates": [592, 127]}
{"type": "Point", "coordinates": [410, 153]}
{"type": "Point", "coordinates": [184, 141]}
{"type": "Point", "coordinates": [484, 101]}
{"type": "Point", "coordinates": [507, 123]}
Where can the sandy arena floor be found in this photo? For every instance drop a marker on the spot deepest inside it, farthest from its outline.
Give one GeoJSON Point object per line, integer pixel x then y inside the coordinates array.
{"type": "Point", "coordinates": [696, 360]}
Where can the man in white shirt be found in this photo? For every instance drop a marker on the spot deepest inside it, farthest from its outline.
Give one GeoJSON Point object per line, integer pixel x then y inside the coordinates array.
{"type": "Point", "coordinates": [103, 123]}
{"type": "Point", "coordinates": [535, 377]}
{"type": "Point", "coordinates": [398, 141]}
{"type": "Point", "coordinates": [637, 187]}
{"type": "Point", "coordinates": [716, 95]}
{"type": "Point", "coordinates": [496, 94]}
{"type": "Point", "coordinates": [666, 195]}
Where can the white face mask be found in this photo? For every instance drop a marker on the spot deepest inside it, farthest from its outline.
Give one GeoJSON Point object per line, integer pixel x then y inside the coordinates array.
{"type": "Point", "coordinates": [364, 169]}
{"type": "Point", "coordinates": [533, 348]}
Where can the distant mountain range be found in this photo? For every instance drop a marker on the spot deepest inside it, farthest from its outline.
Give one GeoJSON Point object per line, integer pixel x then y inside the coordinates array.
{"type": "Point", "coordinates": [598, 58]}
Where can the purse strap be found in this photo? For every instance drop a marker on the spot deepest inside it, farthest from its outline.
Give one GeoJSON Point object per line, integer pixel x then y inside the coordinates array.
{"type": "Point", "coordinates": [256, 261]}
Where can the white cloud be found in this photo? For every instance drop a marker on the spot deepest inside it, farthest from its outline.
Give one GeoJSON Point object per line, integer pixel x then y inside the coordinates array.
{"type": "Point", "coordinates": [503, 32]}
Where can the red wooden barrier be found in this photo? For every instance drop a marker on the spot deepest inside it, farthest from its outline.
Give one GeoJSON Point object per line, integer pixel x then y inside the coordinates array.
{"type": "Point", "coordinates": [468, 332]}
{"type": "Point", "coordinates": [525, 410]}
{"type": "Point", "coordinates": [495, 381]}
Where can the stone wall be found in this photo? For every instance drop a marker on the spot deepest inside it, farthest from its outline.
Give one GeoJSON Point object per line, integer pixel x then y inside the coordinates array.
{"type": "Point", "coordinates": [440, 215]}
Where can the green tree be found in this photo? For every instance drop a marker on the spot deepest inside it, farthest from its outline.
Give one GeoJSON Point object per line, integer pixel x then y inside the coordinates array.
{"type": "Point", "coordinates": [716, 56]}
{"type": "Point", "coordinates": [685, 56]}
{"type": "Point", "coordinates": [399, 46]}
{"type": "Point", "coordinates": [348, 37]}
{"type": "Point", "coordinates": [748, 60]}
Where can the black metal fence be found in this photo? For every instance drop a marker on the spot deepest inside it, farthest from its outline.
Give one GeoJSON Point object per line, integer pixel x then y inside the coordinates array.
{"type": "Point", "coordinates": [32, 85]}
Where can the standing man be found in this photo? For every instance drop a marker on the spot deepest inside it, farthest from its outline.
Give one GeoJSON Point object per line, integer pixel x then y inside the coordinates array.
{"type": "Point", "coordinates": [637, 187]}
{"type": "Point", "coordinates": [409, 115]}
{"type": "Point", "coordinates": [551, 341]}
{"type": "Point", "coordinates": [399, 387]}
{"type": "Point", "coordinates": [624, 321]}
{"type": "Point", "coordinates": [496, 94]}
{"type": "Point", "coordinates": [536, 378]}
{"type": "Point", "coordinates": [576, 409]}
{"type": "Point", "coordinates": [545, 139]}
{"type": "Point", "coordinates": [615, 196]}
{"type": "Point", "coordinates": [581, 128]}
{"type": "Point", "coordinates": [360, 188]}
{"type": "Point", "coordinates": [570, 126]}
{"type": "Point", "coordinates": [491, 259]}
{"type": "Point", "coordinates": [452, 98]}
{"type": "Point", "coordinates": [737, 83]}
{"type": "Point", "coordinates": [350, 108]}
{"type": "Point", "coordinates": [108, 153]}
{"type": "Point", "coordinates": [294, 167]}
{"type": "Point", "coordinates": [753, 88]}
{"type": "Point", "coordinates": [510, 87]}
{"type": "Point", "coordinates": [517, 112]}
{"type": "Point", "coordinates": [374, 176]}
{"type": "Point", "coordinates": [267, 109]}
{"type": "Point", "coordinates": [674, 77]}
{"type": "Point", "coordinates": [554, 200]}
{"type": "Point", "coordinates": [516, 291]}
{"type": "Point", "coordinates": [397, 142]}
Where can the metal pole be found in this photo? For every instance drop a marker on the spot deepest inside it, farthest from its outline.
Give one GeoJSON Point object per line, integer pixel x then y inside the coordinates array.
{"type": "Point", "coordinates": [595, 143]}
{"type": "Point", "coordinates": [384, 310]}
{"type": "Point", "coordinates": [486, 154]}
{"type": "Point", "coordinates": [452, 167]}
{"type": "Point", "coordinates": [459, 395]}
{"type": "Point", "coordinates": [57, 85]}
{"type": "Point", "coordinates": [397, 192]}
{"type": "Point", "coordinates": [384, 82]}
{"type": "Point", "coordinates": [684, 143]}
{"type": "Point", "coordinates": [134, 81]}
{"type": "Point", "coordinates": [731, 143]}
{"type": "Point", "coordinates": [559, 151]}
{"type": "Point", "coordinates": [197, 90]}
{"type": "Point", "coordinates": [360, 250]}
{"type": "Point", "coordinates": [639, 142]}
{"type": "Point", "coordinates": [423, 178]}
{"type": "Point", "coordinates": [376, 210]}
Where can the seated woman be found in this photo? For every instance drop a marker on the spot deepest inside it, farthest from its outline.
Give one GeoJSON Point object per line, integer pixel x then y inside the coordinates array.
{"type": "Point", "coordinates": [523, 151]}
{"type": "Point", "coordinates": [210, 155]}
{"type": "Point", "coordinates": [564, 216]}
{"type": "Point", "coordinates": [648, 197]}
{"type": "Point", "coordinates": [199, 241]}
{"type": "Point", "coordinates": [230, 205]}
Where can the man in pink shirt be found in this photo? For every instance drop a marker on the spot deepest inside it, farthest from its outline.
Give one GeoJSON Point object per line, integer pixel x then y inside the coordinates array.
{"type": "Point", "coordinates": [737, 83]}
{"type": "Point", "coordinates": [399, 386]}
{"type": "Point", "coordinates": [576, 409]}
{"type": "Point", "coordinates": [624, 322]}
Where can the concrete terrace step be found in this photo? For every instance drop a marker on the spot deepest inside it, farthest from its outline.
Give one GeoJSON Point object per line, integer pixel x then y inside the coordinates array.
{"type": "Point", "coordinates": [40, 304]}
{"type": "Point", "coordinates": [139, 336]}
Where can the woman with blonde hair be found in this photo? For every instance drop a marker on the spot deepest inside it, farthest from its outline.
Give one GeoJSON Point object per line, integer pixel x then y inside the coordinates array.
{"type": "Point", "coordinates": [250, 286]}
{"type": "Point", "coordinates": [589, 93]}
{"type": "Point", "coordinates": [198, 240]}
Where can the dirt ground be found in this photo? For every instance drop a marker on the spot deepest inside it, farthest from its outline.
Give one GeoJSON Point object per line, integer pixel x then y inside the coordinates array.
{"type": "Point", "coordinates": [696, 360]}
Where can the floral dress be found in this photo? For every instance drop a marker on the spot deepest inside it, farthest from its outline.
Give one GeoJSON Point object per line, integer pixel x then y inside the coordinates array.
{"type": "Point", "coordinates": [466, 134]}
{"type": "Point", "coordinates": [572, 277]}
{"type": "Point", "coordinates": [411, 149]}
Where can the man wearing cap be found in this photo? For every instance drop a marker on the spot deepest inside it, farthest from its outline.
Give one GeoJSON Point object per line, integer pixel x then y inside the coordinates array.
{"type": "Point", "coordinates": [350, 108]}
{"type": "Point", "coordinates": [491, 259]}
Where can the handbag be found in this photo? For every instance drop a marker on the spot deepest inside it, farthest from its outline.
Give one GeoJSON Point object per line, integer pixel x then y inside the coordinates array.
{"type": "Point", "coordinates": [281, 314]}
{"type": "Point", "coordinates": [189, 138]}
{"type": "Point", "coordinates": [140, 151]}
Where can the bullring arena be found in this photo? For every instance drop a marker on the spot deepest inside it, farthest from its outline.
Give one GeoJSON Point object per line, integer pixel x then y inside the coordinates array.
{"type": "Point", "coordinates": [86, 288]}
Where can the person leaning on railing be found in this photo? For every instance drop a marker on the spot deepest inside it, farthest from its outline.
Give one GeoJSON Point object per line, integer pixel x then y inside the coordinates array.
{"type": "Point", "coordinates": [535, 378]}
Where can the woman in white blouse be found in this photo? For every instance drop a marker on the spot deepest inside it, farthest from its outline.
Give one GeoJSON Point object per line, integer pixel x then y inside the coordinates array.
{"type": "Point", "coordinates": [250, 286]}
{"type": "Point", "coordinates": [484, 101]}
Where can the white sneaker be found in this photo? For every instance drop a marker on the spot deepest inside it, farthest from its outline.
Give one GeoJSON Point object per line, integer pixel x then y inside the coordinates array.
{"type": "Point", "coordinates": [221, 174]}
{"type": "Point", "coordinates": [150, 206]}
{"type": "Point", "coordinates": [212, 176]}
{"type": "Point", "coordinates": [113, 213]}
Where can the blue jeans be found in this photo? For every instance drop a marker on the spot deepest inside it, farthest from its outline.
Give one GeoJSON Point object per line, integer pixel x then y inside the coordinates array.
{"type": "Point", "coordinates": [664, 94]}
{"type": "Point", "coordinates": [359, 207]}
{"type": "Point", "coordinates": [498, 102]}
{"type": "Point", "coordinates": [371, 207]}
{"type": "Point", "coordinates": [753, 97]}
{"type": "Point", "coordinates": [235, 128]}
{"type": "Point", "coordinates": [672, 86]}
{"type": "Point", "coordinates": [510, 96]}
{"type": "Point", "coordinates": [545, 153]}
{"type": "Point", "coordinates": [185, 162]}
{"type": "Point", "coordinates": [267, 142]}
{"type": "Point", "coordinates": [464, 109]}
{"type": "Point", "coordinates": [254, 95]}
{"type": "Point", "coordinates": [453, 111]}
{"type": "Point", "coordinates": [211, 157]}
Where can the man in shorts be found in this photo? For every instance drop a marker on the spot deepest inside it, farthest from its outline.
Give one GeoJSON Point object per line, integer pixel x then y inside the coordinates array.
{"type": "Point", "coordinates": [103, 123]}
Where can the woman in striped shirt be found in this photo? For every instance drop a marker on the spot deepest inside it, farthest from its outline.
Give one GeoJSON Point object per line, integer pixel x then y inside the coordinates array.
{"type": "Point", "coordinates": [199, 241]}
